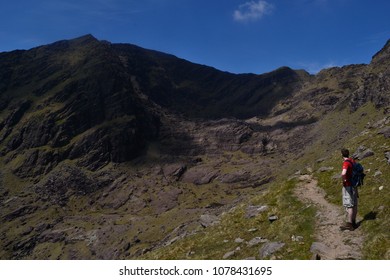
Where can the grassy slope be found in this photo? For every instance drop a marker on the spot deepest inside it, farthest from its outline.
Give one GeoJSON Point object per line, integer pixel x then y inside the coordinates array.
{"type": "Point", "coordinates": [373, 211]}
{"type": "Point", "coordinates": [296, 218]}
{"type": "Point", "coordinates": [214, 242]}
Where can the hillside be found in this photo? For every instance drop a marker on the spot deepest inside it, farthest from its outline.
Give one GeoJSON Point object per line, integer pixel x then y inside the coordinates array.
{"type": "Point", "coordinates": [112, 151]}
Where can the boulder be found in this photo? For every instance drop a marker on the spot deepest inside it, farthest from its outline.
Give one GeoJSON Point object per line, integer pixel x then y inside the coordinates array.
{"type": "Point", "coordinates": [209, 220]}
{"type": "Point", "coordinates": [175, 170]}
{"type": "Point", "coordinates": [385, 131]}
{"type": "Point", "coordinates": [321, 250]}
{"type": "Point", "coordinates": [167, 199]}
{"type": "Point", "coordinates": [270, 248]}
{"type": "Point", "coordinates": [229, 255]}
{"type": "Point", "coordinates": [254, 210]}
{"type": "Point", "coordinates": [256, 240]}
{"type": "Point", "coordinates": [199, 175]}
{"type": "Point", "coordinates": [235, 177]}
{"type": "Point", "coordinates": [363, 152]}
{"type": "Point", "coordinates": [239, 240]}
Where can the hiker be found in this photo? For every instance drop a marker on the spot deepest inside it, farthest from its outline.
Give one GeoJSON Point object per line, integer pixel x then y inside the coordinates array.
{"type": "Point", "coordinates": [349, 192]}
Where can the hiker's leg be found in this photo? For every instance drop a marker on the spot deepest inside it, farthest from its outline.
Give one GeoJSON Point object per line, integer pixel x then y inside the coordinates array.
{"type": "Point", "coordinates": [350, 213]}
{"type": "Point", "coordinates": [355, 205]}
{"type": "Point", "coordinates": [348, 202]}
{"type": "Point", "coordinates": [354, 214]}
{"type": "Point", "coordinates": [349, 224]}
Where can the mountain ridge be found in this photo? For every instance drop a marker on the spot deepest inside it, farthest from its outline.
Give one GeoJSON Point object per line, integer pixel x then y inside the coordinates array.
{"type": "Point", "coordinates": [112, 151]}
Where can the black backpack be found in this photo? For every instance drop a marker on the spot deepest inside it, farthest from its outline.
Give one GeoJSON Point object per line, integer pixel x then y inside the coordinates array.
{"type": "Point", "coordinates": [357, 174]}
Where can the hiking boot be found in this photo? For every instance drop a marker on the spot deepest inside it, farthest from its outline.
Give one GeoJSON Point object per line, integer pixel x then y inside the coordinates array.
{"type": "Point", "coordinates": [347, 226]}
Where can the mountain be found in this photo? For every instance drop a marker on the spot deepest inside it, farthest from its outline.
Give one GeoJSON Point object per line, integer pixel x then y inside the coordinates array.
{"type": "Point", "coordinates": [114, 151]}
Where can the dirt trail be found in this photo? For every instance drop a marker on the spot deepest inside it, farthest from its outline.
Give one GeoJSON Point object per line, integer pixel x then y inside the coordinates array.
{"type": "Point", "coordinates": [331, 243]}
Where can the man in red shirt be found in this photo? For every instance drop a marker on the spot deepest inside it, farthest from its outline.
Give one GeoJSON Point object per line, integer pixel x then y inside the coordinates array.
{"type": "Point", "coordinates": [350, 195]}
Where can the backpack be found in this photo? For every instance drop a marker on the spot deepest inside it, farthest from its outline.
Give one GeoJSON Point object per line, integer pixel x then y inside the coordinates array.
{"type": "Point", "coordinates": [357, 174]}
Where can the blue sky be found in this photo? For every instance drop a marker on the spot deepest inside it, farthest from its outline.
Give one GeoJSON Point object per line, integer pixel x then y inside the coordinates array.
{"type": "Point", "coordinates": [238, 36]}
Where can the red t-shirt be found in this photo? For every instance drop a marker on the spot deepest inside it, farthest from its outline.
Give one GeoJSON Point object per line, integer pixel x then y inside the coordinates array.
{"type": "Point", "coordinates": [347, 164]}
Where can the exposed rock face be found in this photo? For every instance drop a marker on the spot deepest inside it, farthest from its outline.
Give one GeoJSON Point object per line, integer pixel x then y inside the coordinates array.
{"type": "Point", "coordinates": [375, 86]}
{"type": "Point", "coordinates": [199, 175]}
{"type": "Point", "coordinates": [67, 180]}
{"type": "Point", "coordinates": [86, 109]}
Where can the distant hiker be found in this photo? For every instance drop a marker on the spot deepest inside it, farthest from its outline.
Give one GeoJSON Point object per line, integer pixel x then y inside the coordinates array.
{"type": "Point", "coordinates": [349, 192]}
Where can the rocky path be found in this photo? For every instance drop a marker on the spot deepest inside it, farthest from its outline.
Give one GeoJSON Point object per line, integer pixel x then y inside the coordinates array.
{"type": "Point", "coordinates": [331, 243]}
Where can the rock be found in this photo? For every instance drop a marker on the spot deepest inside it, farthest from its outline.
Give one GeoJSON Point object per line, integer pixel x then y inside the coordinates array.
{"type": "Point", "coordinates": [28, 230]}
{"type": "Point", "coordinates": [23, 247]}
{"type": "Point", "coordinates": [52, 236]}
{"type": "Point", "coordinates": [235, 177]}
{"type": "Point", "coordinates": [37, 162]}
{"type": "Point", "coordinates": [316, 257]}
{"type": "Point", "coordinates": [42, 227]}
{"type": "Point", "coordinates": [256, 240]}
{"type": "Point", "coordinates": [320, 160]}
{"type": "Point", "coordinates": [273, 218]}
{"type": "Point", "coordinates": [229, 135]}
{"type": "Point", "coordinates": [190, 253]}
{"type": "Point", "coordinates": [254, 210]}
{"type": "Point", "coordinates": [167, 199]}
{"type": "Point", "coordinates": [305, 178]}
{"type": "Point", "coordinates": [127, 247]}
{"type": "Point", "coordinates": [66, 179]}
{"type": "Point", "coordinates": [381, 188]}
{"type": "Point", "coordinates": [174, 170]}
{"type": "Point", "coordinates": [362, 152]}
{"type": "Point", "coordinates": [21, 211]}
{"type": "Point", "coordinates": [377, 173]}
{"type": "Point", "coordinates": [209, 220]}
{"type": "Point", "coordinates": [387, 156]}
{"type": "Point", "coordinates": [366, 153]}
{"type": "Point", "coordinates": [270, 248]}
{"type": "Point", "coordinates": [199, 175]}
{"type": "Point", "coordinates": [239, 240]}
{"type": "Point", "coordinates": [321, 249]}
{"type": "Point", "coordinates": [13, 118]}
{"type": "Point", "coordinates": [385, 131]}
{"type": "Point", "coordinates": [296, 238]}
{"type": "Point", "coordinates": [229, 255]}
{"type": "Point", "coordinates": [325, 169]}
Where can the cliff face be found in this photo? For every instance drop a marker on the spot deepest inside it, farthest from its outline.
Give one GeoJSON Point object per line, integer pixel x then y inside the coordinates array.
{"type": "Point", "coordinates": [96, 103]}
{"type": "Point", "coordinates": [70, 100]}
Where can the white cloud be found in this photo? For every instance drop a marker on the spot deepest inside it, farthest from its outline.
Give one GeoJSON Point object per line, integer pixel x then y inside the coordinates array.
{"type": "Point", "coordinates": [315, 67]}
{"type": "Point", "coordinates": [252, 11]}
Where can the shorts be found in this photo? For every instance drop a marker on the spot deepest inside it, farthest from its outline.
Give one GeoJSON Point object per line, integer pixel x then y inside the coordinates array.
{"type": "Point", "coordinates": [350, 197]}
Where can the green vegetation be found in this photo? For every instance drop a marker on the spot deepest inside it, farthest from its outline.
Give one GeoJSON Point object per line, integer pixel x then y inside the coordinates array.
{"type": "Point", "coordinates": [374, 212]}
{"type": "Point", "coordinates": [215, 241]}
{"type": "Point", "coordinates": [296, 218]}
